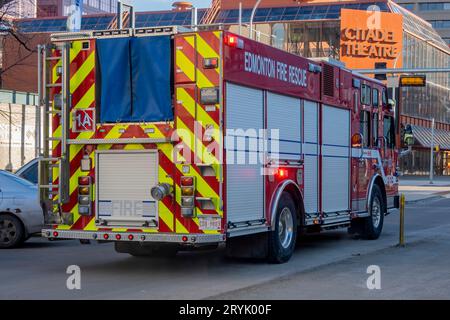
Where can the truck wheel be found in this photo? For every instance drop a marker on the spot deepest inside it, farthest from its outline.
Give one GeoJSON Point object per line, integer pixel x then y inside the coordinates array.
{"type": "Point", "coordinates": [12, 233]}
{"type": "Point", "coordinates": [282, 239]}
{"type": "Point", "coordinates": [138, 250]}
{"type": "Point", "coordinates": [373, 224]}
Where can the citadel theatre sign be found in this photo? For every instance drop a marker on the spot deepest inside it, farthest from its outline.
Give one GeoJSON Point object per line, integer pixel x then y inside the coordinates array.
{"type": "Point", "coordinates": [369, 37]}
{"type": "Point", "coordinates": [377, 44]}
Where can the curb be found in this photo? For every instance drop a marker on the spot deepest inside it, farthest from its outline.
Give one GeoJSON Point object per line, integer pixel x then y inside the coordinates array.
{"type": "Point", "coordinates": [438, 195]}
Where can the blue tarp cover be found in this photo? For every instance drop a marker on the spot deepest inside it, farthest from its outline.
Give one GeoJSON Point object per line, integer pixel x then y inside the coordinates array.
{"type": "Point", "coordinates": [113, 66]}
{"type": "Point", "coordinates": [135, 79]}
{"type": "Point", "coordinates": [151, 74]}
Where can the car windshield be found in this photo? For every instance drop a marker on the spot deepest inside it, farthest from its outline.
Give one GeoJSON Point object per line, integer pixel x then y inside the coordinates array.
{"type": "Point", "coordinates": [15, 178]}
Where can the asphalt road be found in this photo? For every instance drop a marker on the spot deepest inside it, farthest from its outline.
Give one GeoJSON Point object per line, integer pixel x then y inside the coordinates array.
{"type": "Point", "coordinates": [328, 265]}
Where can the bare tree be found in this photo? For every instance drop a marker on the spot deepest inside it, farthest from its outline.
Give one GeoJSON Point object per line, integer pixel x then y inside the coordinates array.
{"type": "Point", "coordinates": [10, 11]}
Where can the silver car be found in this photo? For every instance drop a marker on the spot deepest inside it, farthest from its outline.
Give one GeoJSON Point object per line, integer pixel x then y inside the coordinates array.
{"type": "Point", "coordinates": [21, 216]}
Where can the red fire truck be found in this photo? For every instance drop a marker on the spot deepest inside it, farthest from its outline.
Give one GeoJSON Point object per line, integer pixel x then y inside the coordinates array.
{"type": "Point", "coordinates": [161, 139]}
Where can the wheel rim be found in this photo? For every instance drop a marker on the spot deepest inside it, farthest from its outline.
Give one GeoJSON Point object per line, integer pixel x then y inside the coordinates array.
{"type": "Point", "coordinates": [285, 228]}
{"type": "Point", "coordinates": [376, 212]}
{"type": "Point", "coordinates": [8, 231]}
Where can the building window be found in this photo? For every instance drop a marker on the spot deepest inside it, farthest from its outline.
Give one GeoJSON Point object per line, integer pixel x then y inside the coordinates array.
{"type": "Point", "coordinates": [278, 36]}
{"type": "Point", "coordinates": [313, 38]}
{"type": "Point", "coordinates": [434, 6]}
{"type": "Point", "coordinates": [407, 6]}
{"type": "Point", "coordinates": [48, 11]}
{"type": "Point", "coordinates": [440, 24]}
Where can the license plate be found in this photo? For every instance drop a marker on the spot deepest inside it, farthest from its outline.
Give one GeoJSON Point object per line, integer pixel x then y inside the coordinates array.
{"type": "Point", "coordinates": [210, 223]}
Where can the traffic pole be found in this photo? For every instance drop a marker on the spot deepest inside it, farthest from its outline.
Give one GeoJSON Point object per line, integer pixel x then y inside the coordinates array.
{"type": "Point", "coordinates": [401, 242]}
{"type": "Point", "coordinates": [432, 152]}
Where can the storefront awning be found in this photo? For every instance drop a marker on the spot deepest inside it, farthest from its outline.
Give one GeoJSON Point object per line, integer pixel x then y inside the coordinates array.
{"type": "Point", "coordinates": [423, 137]}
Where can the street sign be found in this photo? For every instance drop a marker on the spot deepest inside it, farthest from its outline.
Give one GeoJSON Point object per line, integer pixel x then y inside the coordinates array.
{"type": "Point", "coordinates": [413, 81]}
{"type": "Point", "coordinates": [381, 65]}
{"type": "Point", "coordinates": [83, 120]}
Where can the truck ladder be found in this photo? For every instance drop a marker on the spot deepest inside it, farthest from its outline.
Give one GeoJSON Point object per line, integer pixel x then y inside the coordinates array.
{"type": "Point", "coordinates": [52, 195]}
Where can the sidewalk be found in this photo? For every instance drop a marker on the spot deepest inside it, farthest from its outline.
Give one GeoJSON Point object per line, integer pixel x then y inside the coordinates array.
{"type": "Point", "coordinates": [418, 188]}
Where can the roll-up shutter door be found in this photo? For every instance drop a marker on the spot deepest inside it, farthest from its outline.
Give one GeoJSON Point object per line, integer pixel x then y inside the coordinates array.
{"type": "Point", "coordinates": [284, 127]}
{"type": "Point", "coordinates": [124, 182]}
{"type": "Point", "coordinates": [245, 182]}
{"type": "Point", "coordinates": [336, 159]}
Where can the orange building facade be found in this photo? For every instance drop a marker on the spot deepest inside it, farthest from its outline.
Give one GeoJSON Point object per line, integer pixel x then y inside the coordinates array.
{"type": "Point", "coordinates": [369, 37]}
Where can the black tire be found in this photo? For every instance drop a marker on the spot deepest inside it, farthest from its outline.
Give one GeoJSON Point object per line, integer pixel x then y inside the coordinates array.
{"type": "Point", "coordinates": [282, 245]}
{"type": "Point", "coordinates": [12, 232]}
{"type": "Point", "coordinates": [139, 250]}
{"type": "Point", "coordinates": [373, 225]}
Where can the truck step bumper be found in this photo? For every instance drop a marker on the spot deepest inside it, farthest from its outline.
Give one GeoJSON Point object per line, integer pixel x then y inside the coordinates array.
{"type": "Point", "coordinates": [134, 236]}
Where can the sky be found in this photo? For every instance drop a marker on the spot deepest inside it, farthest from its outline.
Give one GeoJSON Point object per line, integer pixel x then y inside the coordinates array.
{"type": "Point", "coordinates": [149, 5]}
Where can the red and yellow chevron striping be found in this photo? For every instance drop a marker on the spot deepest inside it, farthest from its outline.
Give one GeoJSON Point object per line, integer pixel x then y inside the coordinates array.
{"type": "Point", "coordinates": [192, 121]}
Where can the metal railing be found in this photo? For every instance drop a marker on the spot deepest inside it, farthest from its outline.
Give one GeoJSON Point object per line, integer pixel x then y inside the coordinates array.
{"type": "Point", "coordinates": [211, 14]}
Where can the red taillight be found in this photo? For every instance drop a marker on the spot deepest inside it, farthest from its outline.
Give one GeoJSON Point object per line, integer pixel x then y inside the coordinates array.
{"type": "Point", "coordinates": [187, 181]}
{"type": "Point", "coordinates": [231, 40]}
{"type": "Point", "coordinates": [184, 238]}
{"type": "Point", "coordinates": [55, 233]}
{"type": "Point", "coordinates": [281, 173]}
{"type": "Point", "coordinates": [130, 237]}
{"type": "Point", "coordinates": [106, 236]}
{"type": "Point", "coordinates": [234, 41]}
{"type": "Point", "coordinates": [118, 237]}
{"type": "Point", "coordinates": [84, 181]}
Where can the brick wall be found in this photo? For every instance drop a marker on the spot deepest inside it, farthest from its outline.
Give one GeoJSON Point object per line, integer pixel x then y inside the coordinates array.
{"type": "Point", "coordinates": [19, 65]}
{"type": "Point", "coordinates": [424, 123]}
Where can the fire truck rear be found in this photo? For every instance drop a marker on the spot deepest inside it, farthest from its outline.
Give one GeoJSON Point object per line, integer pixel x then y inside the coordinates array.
{"type": "Point", "coordinates": [160, 139]}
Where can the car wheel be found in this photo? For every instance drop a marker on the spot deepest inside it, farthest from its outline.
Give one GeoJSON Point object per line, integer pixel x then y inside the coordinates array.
{"type": "Point", "coordinates": [373, 224]}
{"type": "Point", "coordinates": [282, 239]}
{"type": "Point", "coordinates": [12, 233]}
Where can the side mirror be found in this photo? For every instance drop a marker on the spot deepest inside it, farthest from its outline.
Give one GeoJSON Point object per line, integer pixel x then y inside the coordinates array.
{"type": "Point", "coordinates": [409, 139]}
{"type": "Point", "coordinates": [391, 104]}
{"type": "Point", "coordinates": [408, 136]}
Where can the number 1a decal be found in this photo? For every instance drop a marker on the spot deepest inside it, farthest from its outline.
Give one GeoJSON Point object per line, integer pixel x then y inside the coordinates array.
{"type": "Point", "coordinates": [83, 120]}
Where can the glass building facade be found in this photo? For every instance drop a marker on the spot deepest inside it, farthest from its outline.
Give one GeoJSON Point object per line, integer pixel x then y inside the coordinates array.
{"type": "Point", "coordinates": [432, 101]}
{"type": "Point", "coordinates": [103, 21]}
{"type": "Point", "coordinates": [423, 48]}
{"type": "Point", "coordinates": [315, 33]}
{"type": "Point", "coordinates": [313, 39]}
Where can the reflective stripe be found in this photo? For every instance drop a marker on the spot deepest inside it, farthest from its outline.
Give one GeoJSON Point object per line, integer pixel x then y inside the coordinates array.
{"type": "Point", "coordinates": [78, 77]}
